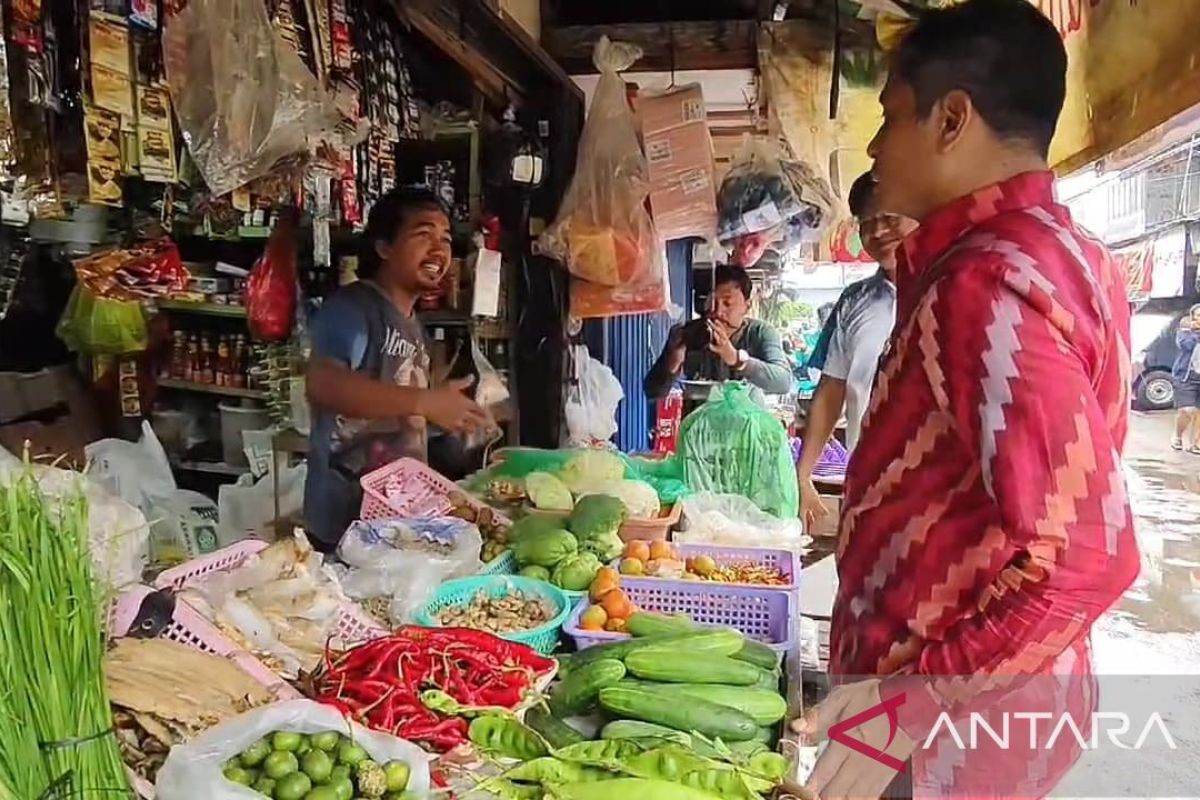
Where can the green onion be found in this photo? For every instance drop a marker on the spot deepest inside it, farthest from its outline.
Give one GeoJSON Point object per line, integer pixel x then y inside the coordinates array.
{"type": "Point", "coordinates": [55, 720]}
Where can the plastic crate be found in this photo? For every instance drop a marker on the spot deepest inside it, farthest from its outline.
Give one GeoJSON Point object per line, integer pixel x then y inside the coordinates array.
{"type": "Point", "coordinates": [461, 591]}
{"type": "Point", "coordinates": [765, 615]}
{"type": "Point", "coordinates": [351, 626]}
{"type": "Point", "coordinates": [409, 488]}
{"type": "Point", "coordinates": [783, 560]}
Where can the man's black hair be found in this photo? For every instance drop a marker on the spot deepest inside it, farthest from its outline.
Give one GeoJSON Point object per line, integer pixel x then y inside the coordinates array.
{"type": "Point", "coordinates": [860, 194]}
{"type": "Point", "coordinates": [727, 273]}
{"type": "Point", "coordinates": [1005, 54]}
{"type": "Point", "coordinates": [387, 217]}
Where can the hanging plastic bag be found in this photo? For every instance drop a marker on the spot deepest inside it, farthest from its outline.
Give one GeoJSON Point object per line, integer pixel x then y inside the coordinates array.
{"type": "Point", "coordinates": [603, 233]}
{"type": "Point", "coordinates": [591, 406]}
{"type": "Point", "coordinates": [768, 199]}
{"type": "Point", "coordinates": [99, 326]}
{"type": "Point", "coordinates": [193, 769]}
{"type": "Point", "coordinates": [732, 445]}
{"type": "Point", "coordinates": [271, 287]}
{"type": "Point", "coordinates": [243, 97]}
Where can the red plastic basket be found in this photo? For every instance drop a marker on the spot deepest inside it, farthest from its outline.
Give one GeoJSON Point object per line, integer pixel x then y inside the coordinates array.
{"type": "Point", "coordinates": [351, 626]}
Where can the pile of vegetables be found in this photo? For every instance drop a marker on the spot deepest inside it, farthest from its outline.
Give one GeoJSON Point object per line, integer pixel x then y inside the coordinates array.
{"type": "Point", "coordinates": [412, 683]}
{"type": "Point", "coordinates": [586, 473]}
{"type": "Point", "coordinates": [56, 734]}
{"type": "Point", "coordinates": [569, 550]}
{"type": "Point", "coordinates": [492, 527]}
{"type": "Point", "coordinates": [506, 614]}
{"type": "Point", "coordinates": [322, 766]}
{"type": "Point", "coordinates": [690, 714]}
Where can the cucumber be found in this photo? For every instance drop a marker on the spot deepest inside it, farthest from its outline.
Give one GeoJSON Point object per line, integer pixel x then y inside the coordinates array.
{"type": "Point", "coordinates": [576, 693]}
{"type": "Point", "coordinates": [764, 706]}
{"type": "Point", "coordinates": [720, 642]}
{"type": "Point", "coordinates": [768, 680]}
{"type": "Point", "coordinates": [670, 665]}
{"type": "Point", "coordinates": [649, 623]}
{"type": "Point", "coordinates": [759, 654]}
{"type": "Point", "coordinates": [635, 729]}
{"type": "Point", "coordinates": [701, 716]}
{"type": "Point", "coordinates": [556, 732]}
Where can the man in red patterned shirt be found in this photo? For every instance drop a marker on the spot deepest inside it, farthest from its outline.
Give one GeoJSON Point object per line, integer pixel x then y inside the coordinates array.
{"type": "Point", "coordinates": [985, 523]}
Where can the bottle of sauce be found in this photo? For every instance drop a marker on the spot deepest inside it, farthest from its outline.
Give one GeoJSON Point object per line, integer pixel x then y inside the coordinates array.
{"type": "Point", "coordinates": [221, 371]}
{"type": "Point", "coordinates": [191, 370]}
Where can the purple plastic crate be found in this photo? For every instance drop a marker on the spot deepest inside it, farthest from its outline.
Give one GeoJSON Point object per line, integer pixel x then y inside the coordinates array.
{"type": "Point", "coordinates": [783, 560]}
{"type": "Point", "coordinates": [763, 614]}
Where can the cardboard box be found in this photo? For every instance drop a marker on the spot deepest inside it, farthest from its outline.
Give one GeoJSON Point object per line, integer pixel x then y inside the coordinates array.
{"type": "Point", "coordinates": [683, 196]}
{"type": "Point", "coordinates": [678, 106]}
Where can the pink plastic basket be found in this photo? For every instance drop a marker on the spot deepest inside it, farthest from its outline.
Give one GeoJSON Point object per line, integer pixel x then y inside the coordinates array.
{"type": "Point", "coordinates": [762, 614]}
{"type": "Point", "coordinates": [351, 626]}
{"type": "Point", "coordinates": [405, 488]}
{"type": "Point", "coordinates": [782, 560]}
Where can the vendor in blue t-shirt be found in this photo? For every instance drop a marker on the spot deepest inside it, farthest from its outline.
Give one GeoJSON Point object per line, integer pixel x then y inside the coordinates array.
{"type": "Point", "coordinates": [368, 378]}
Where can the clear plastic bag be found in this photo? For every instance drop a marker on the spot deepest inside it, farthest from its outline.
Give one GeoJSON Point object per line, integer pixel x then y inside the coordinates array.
{"type": "Point", "coordinates": [193, 769]}
{"type": "Point", "coordinates": [243, 97]}
{"type": "Point", "coordinates": [247, 508]}
{"type": "Point", "coordinates": [406, 559]}
{"type": "Point", "coordinates": [732, 445]}
{"type": "Point", "coordinates": [734, 521]}
{"type": "Point", "coordinates": [591, 405]}
{"type": "Point", "coordinates": [603, 233]}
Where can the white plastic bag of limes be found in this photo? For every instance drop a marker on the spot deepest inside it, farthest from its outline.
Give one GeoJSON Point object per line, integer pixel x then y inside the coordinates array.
{"type": "Point", "coordinates": [280, 750]}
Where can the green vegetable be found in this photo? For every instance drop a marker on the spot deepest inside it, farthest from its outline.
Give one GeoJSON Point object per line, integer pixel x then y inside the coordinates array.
{"type": "Point", "coordinates": [773, 766]}
{"type": "Point", "coordinates": [721, 781]}
{"type": "Point", "coordinates": [596, 515]}
{"type": "Point", "coordinates": [340, 771]}
{"type": "Point", "coordinates": [607, 753]}
{"type": "Point", "coordinates": [236, 774]}
{"type": "Point", "coordinates": [759, 654]}
{"type": "Point", "coordinates": [669, 665]}
{"type": "Point", "coordinates": [629, 789]}
{"type": "Point", "coordinates": [636, 729]}
{"type": "Point", "coordinates": [507, 790]}
{"type": "Point", "coordinates": [280, 763]}
{"type": "Point", "coordinates": [575, 573]}
{"type": "Point", "coordinates": [287, 741]}
{"type": "Point", "coordinates": [317, 765]}
{"type": "Point", "coordinates": [550, 770]}
{"type": "Point", "coordinates": [556, 732]}
{"type": "Point", "coordinates": [535, 572]}
{"type": "Point", "coordinates": [506, 736]}
{"type": "Point", "coordinates": [343, 787]}
{"type": "Point", "coordinates": [720, 642]}
{"type": "Point", "coordinates": [351, 754]}
{"type": "Point", "coordinates": [536, 523]}
{"type": "Point", "coordinates": [548, 492]}
{"type": "Point", "coordinates": [264, 786]}
{"type": "Point", "coordinates": [591, 468]}
{"type": "Point", "coordinates": [322, 793]}
{"type": "Point", "coordinates": [544, 549]}
{"type": "Point", "coordinates": [650, 623]}
{"type": "Point", "coordinates": [326, 740]}
{"type": "Point", "coordinates": [576, 693]}
{"type": "Point", "coordinates": [293, 786]}
{"type": "Point", "coordinates": [397, 773]}
{"type": "Point", "coordinates": [702, 716]}
{"type": "Point", "coordinates": [371, 779]}
{"type": "Point", "coordinates": [766, 707]}
{"type": "Point", "coordinates": [767, 679]}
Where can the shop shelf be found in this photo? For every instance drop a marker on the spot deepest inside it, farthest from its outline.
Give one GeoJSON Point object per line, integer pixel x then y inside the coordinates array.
{"type": "Point", "coordinates": [208, 388]}
{"type": "Point", "coordinates": [211, 309]}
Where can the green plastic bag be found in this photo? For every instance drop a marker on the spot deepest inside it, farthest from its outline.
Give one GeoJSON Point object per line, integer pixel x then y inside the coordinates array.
{"type": "Point", "coordinates": [100, 326]}
{"type": "Point", "coordinates": [665, 476]}
{"type": "Point", "coordinates": [732, 445]}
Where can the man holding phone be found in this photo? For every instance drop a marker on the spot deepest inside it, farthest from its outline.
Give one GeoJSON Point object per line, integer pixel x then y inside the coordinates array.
{"type": "Point", "coordinates": [725, 345]}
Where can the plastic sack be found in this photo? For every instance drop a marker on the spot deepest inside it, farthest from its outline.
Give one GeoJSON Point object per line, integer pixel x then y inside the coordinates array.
{"type": "Point", "coordinates": [242, 95]}
{"type": "Point", "coordinates": [734, 521]}
{"type": "Point", "coordinates": [603, 232]}
{"type": "Point", "coordinates": [193, 769]}
{"type": "Point", "coordinates": [767, 198]}
{"type": "Point", "coordinates": [271, 287]}
{"type": "Point", "coordinates": [733, 445]}
{"type": "Point", "coordinates": [407, 559]}
{"type": "Point", "coordinates": [591, 405]}
{"type": "Point", "coordinates": [96, 325]}
{"type": "Point", "coordinates": [246, 509]}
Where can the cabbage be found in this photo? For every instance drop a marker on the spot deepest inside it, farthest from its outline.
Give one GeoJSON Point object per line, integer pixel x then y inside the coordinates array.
{"type": "Point", "coordinates": [548, 492]}
{"type": "Point", "coordinates": [589, 468]}
{"type": "Point", "coordinates": [639, 497]}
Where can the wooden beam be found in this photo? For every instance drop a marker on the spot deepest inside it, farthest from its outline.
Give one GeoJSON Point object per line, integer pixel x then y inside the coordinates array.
{"type": "Point", "coordinates": [722, 44]}
{"type": "Point", "coordinates": [488, 78]}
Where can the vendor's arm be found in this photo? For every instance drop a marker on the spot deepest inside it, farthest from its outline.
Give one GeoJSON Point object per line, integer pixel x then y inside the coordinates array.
{"type": "Point", "coordinates": [1021, 396]}
{"type": "Point", "coordinates": [767, 367]}
{"type": "Point", "coordinates": [340, 341]}
{"type": "Point", "coordinates": [823, 413]}
{"type": "Point", "coordinates": [666, 369]}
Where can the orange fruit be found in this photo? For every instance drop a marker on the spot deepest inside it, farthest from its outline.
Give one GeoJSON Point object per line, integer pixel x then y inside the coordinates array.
{"type": "Point", "coordinates": [632, 566]}
{"type": "Point", "coordinates": [615, 626]}
{"type": "Point", "coordinates": [593, 618]}
{"type": "Point", "coordinates": [607, 572]}
{"type": "Point", "coordinates": [661, 550]}
{"type": "Point", "coordinates": [616, 604]}
{"type": "Point", "coordinates": [606, 580]}
{"type": "Point", "coordinates": [704, 566]}
{"type": "Point", "coordinates": [638, 549]}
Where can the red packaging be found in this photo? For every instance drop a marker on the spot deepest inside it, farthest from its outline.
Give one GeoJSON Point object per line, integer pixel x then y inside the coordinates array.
{"type": "Point", "coordinates": [668, 418]}
{"type": "Point", "coordinates": [271, 287]}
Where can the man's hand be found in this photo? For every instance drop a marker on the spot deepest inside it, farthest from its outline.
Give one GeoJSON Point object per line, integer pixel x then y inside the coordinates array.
{"type": "Point", "coordinates": [675, 349]}
{"type": "Point", "coordinates": [812, 507]}
{"type": "Point", "coordinates": [721, 345]}
{"type": "Point", "coordinates": [452, 411]}
{"type": "Point", "coordinates": [841, 772]}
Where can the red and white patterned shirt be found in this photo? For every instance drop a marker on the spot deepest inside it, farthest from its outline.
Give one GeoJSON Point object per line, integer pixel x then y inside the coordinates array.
{"type": "Point", "coordinates": [985, 523]}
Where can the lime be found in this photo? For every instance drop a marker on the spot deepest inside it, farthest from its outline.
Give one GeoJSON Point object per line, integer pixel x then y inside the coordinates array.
{"type": "Point", "coordinates": [279, 764]}
{"type": "Point", "coordinates": [343, 788]}
{"type": "Point", "coordinates": [238, 774]}
{"type": "Point", "coordinates": [264, 786]}
{"type": "Point", "coordinates": [397, 775]}
{"type": "Point", "coordinates": [350, 753]}
{"type": "Point", "coordinates": [326, 740]}
{"type": "Point", "coordinates": [339, 771]}
{"type": "Point", "coordinates": [322, 793]}
{"type": "Point", "coordinates": [286, 740]}
{"type": "Point", "coordinates": [305, 746]}
{"type": "Point", "coordinates": [317, 765]}
{"type": "Point", "coordinates": [253, 755]}
{"type": "Point", "coordinates": [292, 787]}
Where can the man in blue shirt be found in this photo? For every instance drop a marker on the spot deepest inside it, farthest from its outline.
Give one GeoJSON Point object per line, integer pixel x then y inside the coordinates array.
{"type": "Point", "coordinates": [368, 378]}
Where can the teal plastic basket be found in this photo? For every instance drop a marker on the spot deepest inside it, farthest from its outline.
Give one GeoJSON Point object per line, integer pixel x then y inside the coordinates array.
{"type": "Point", "coordinates": [503, 564]}
{"type": "Point", "coordinates": [543, 638]}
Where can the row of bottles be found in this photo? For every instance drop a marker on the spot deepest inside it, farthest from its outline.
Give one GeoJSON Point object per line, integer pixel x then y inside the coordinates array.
{"type": "Point", "coordinates": [209, 358]}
